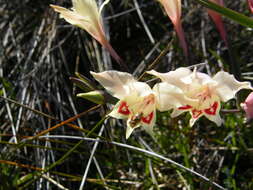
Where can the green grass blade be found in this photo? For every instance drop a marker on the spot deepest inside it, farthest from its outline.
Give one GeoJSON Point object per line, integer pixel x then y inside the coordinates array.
{"type": "Point", "coordinates": [233, 15]}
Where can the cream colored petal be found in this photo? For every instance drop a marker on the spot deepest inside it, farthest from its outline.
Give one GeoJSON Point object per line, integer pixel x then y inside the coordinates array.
{"type": "Point", "coordinates": [148, 127]}
{"type": "Point", "coordinates": [176, 112]}
{"type": "Point", "coordinates": [130, 129]}
{"type": "Point", "coordinates": [173, 77]}
{"type": "Point", "coordinates": [134, 101]}
{"type": "Point", "coordinates": [103, 5]}
{"type": "Point", "coordinates": [89, 10]}
{"type": "Point", "coordinates": [86, 8]}
{"type": "Point", "coordinates": [216, 119]}
{"type": "Point", "coordinates": [198, 78]}
{"type": "Point", "coordinates": [141, 88]}
{"type": "Point", "coordinates": [72, 16]}
{"type": "Point", "coordinates": [138, 104]}
{"type": "Point", "coordinates": [116, 83]}
{"type": "Point", "coordinates": [172, 8]}
{"type": "Point", "coordinates": [194, 119]}
{"type": "Point", "coordinates": [169, 96]}
{"type": "Point", "coordinates": [213, 112]}
{"type": "Point", "coordinates": [81, 21]}
{"type": "Point", "coordinates": [228, 86]}
{"type": "Point", "coordinates": [116, 113]}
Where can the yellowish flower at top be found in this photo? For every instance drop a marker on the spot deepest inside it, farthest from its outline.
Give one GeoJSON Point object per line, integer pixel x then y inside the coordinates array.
{"type": "Point", "coordinates": [86, 15]}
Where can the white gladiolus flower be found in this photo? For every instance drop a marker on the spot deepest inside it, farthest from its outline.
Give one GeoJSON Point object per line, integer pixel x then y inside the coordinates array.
{"type": "Point", "coordinates": [202, 93]}
{"type": "Point", "coordinates": [137, 101]}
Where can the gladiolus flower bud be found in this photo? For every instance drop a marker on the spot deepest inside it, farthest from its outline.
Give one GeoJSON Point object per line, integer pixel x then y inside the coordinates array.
{"type": "Point", "coordinates": [248, 106]}
{"type": "Point", "coordinates": [251, 5]}
{"type": "Point", "coordinates": [173, 10]}
{"type": "Point", "coordinates": [216, 17]}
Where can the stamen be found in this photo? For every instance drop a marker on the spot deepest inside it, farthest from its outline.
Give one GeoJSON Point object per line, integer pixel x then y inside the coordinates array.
{"type": "Point", "coordinates": [196, 113]}
{"type": "Point", "coordinates": [150, 99]}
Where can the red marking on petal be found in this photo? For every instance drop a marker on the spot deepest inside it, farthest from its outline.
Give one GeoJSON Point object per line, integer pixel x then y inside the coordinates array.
{"type": "Point", "coordinates": [185, 107]}
{"type": "Point", "coordinates": [212, 110]}
{"type": "Point", "coordinates": [123, 109]}
{"type": "Point", "coordinates": [196, 113]}
{"type": "Point", "coordinates": [148, 119]}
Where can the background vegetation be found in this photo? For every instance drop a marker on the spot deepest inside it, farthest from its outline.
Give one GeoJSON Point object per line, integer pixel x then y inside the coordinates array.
{"type": "Point", "coordinates": [47, 135]}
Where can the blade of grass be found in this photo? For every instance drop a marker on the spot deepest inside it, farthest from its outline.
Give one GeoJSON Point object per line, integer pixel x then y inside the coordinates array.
{"type": "Point", "coordinates": [36, 175]}
{"type": "Point", "coordinates": [231, 14]}
{"type": "Point", "coordinates": [46, 115]}
{"type": "Point", "coordinates": [91, 155]}
{"type": "Point", "coordinates": [143, 151]}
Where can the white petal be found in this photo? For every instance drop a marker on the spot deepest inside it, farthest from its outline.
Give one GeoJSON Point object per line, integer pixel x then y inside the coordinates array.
{"type": "Point", "coordinates": [129, 131]}
{"type": "Point", "coordinates": [148, 127]}
{"type": "Point", "coordinates": [82, 21]}
{"type": "Point", "coordinates": [170, 96]}
{"type": "Point", "coordinates": [103, 5]}
{"type": "Point", "coordinates": [118, 84]}
{"type": "Point", "coordinates": [173, 77]}
{"type": "Point", "coordinates": [213, 112]}
{"type": "Point", "coordinates": [71, 16]}
{"type": "Point", "coordinates": [176, 112]}
{"type": "Point", "coordinates": [228, 86]}
{"type": "Point", "coordinates": [120, 114]}
{"type": "Point", "coordinates": [193, 119]}
{"type": "Point", "coordinates": [197, 78]}
{"type": "Point", "coordinates": [86, 8]}
{"type": "Point", "coordinates": [216, 119]}
{"type": "Point", "coordinates": [141, 88]}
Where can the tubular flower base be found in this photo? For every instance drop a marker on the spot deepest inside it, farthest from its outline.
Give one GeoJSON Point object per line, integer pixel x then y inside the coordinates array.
{"type": "Point", "coordinates": [202, 94]}
{"type": "Point", "coordinates": [137, 101]}
{"type": "Point", "coordinates": [216, 17]}
{"type": "Point", "coordinates": [86, 15]}
{"type": "Point", "coordinates": [173, 10]}
{"type": "Point", "coordinates": [248, 106]}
